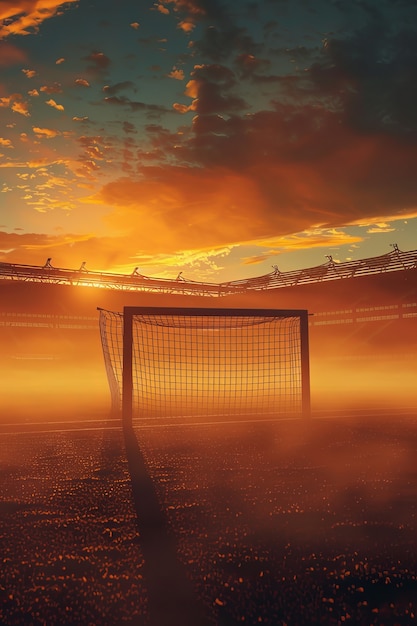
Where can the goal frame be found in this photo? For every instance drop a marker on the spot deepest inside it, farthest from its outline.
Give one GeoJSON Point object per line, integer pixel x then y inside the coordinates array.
{"type": "Point", "coordinates": [129, 312]}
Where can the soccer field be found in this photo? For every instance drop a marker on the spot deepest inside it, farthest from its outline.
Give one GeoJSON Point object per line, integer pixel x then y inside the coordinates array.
{"type": "Point", "coordinates": [286, 522]}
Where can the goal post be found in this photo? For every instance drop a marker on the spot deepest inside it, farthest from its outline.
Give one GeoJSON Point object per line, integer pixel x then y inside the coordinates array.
{"type": "Point", "coordinates": [207, 362]}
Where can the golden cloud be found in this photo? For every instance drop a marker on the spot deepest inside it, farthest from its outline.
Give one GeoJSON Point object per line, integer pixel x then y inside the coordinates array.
{"type": "Point", "coordinates": [162, 9]}
{"type": "Point", "coordinates": [54, 105]}
{"type": "Point", "coordinates": [380, 229]}
{"type": "Point", "coordinates": [181, 108]}
{"type": "Point", "coordinates": [21, 107]}
{"type": "Point", "coordinates": [306, 240]}
{"type": "Point", "coordinates": [82, 82]}
{"type": "Point", "coordinates": [187, 26]}
{"type": "Point", "coordinates": [382, 221]}
{"type": "Point", "coordinates": [193, 7]}
{"type": "Point", "coordinates": [16, 103]}
{"type": "Point", "coordinates": [176, 74]}
{"type": "Point", "coordinates": [190, 209]}
{"type": "Point", "coordinates": [19, 17]}
{"type": "Point", "coordinates": [29, 73]}
{"type": "Point", "coordinates": [48, 133]}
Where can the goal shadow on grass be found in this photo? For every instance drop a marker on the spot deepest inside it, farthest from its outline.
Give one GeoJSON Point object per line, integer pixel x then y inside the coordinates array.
{"type": "Point", "coordinates": [170, 594]}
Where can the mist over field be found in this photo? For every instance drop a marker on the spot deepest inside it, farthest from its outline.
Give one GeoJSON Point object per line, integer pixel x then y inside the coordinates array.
{"type": "Point", "coordinates": [52, 363]}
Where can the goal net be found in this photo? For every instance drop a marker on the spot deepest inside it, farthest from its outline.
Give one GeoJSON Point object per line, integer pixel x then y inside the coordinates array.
{"type": "Point", "coordinates": [171, 362]}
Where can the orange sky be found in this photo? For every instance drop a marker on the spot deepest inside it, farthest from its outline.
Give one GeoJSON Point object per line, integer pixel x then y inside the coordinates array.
{"type": "Point", "coordinates": [187, 135]}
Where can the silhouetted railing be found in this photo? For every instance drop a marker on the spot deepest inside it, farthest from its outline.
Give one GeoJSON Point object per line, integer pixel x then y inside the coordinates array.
{"type": "Point", "coordinates": [394, 261]}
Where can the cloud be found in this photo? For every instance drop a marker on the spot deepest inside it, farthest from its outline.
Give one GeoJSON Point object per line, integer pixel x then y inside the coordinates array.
{"type": "Point", "coordinates": [54, 105]}
{"type": "Point", "coordinates": [129, 128]}
{"type": "Point", "coordinates": [21, 107]}
{"type": "Point", "coordinates": [162, 9]}
{"type": "Point", "coordinates": [9, 101]}
{"type": "Point", "coordinates": [152, 109]}
{"type": "Point", "coordinates": [187, 26]}
{"type": "Point", "coordinates": [25, 18]}
{"type": "Point", "coordinates": [29, 73]}
{"type": "Point", "coordinates": [31, 164]}
{"type": "Point", "coordinates": [99, 62]}
{"type": "Point", "coordinates": [220, 37]}
{"type": "Point", "coordinates": [114, 89]}
{"type": "Point", "coordinates": [46, 133]}
{"type": "Point", "coordinates": [241, 182]}
{"type": "Point", "coordinates": [82, 82]}
{"type": "Point", "coordinates": [311, 164]}
{"type": "Point", "coordinates": [66, 249]}
{"type": "Point", "coordinates": [37, 241]}
{"type": "Point", "coordinates": [172, 207]}
{"type": "Point", "coordinates": [49, 89]}
{"type": "Point", "coordinates": [182, 108]}
{"type": "Point", "coordinates": [195, 9]}
{"type": "Point", "coordinates": [211, 91]}
{"type": "Point", "coordinates": [381, 228]}
{"type": "Point", "coordinates": [6, 143]}
{"type": "Point", "coordinates": [249, 66]}
{"type": "Point", "coordinates": [176, 73]}
{"type": "Point", "coordinates": [368, 75]}
{"type": "Point", "coordinates": [94, 149]}
{"type": "Point", "coordinates": [327, 139]}
{"type": "Point", "coordinates": [203, 263]}
{"type": "Point", "coordinates": [315, 238]}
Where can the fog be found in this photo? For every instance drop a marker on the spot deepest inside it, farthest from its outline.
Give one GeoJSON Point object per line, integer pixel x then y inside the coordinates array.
{"type": "Point", "coordinates": [51, 361]}
{"type": "Point", "coordinates": [51, 374]}
{"type": "Point", "coordinates": [41, 387]}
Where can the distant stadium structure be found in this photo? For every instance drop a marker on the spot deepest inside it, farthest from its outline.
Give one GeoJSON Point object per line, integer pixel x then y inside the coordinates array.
{"type": "Point", "coordinates": [363, 317]}
{"type": "Point", "coordinates": [394, 261]}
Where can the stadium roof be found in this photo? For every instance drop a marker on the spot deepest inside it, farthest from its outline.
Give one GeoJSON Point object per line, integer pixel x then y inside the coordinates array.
{"type": "Point", "coordinates": [394, 261]}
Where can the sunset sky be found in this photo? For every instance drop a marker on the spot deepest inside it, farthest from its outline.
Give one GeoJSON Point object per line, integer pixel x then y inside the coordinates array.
{"type": "Point", "coordinates": [212, 137]}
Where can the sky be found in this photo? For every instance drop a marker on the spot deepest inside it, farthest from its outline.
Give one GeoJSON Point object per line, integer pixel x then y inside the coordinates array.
{"type": "Point", "coordinates": [212, 137]}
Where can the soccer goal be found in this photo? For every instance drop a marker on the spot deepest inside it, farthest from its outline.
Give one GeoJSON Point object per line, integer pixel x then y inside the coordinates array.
{"type": "Point", "coordinates": [203, 362]}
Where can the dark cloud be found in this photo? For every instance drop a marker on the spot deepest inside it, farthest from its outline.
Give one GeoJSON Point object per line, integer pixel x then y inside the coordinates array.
{"type": "Point", "coordinates": [369, 76]}
{"type": "Point", "coordinates": [306, 165]}
{"type": "Point", "coordinates": [50, 89]}
{"type": "Point", "coordinates": [150, 109]}
{"type": "Point", "coordinates": [219, 44]}
{"type": "Point", "coordinates": [99, 63]}
{"type": "Point", "coordinates": [129, 128]}
{"type": "Point", "coordinates": [203, 9]}
{"type": "Point", "coordinates": [249, 65]}
{"type": "Point", "coordinates": [220, 38]}
{"type": "Point", "coordinates": [112, 90]}
{"type": "Point", "coordinates": [211, 88]}
{"type": "Point", "coordinates": [283, 127]}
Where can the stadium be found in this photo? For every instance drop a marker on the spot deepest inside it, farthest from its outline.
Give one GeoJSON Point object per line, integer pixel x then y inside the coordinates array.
{"type": "Point", "coordinates": [362, 317]}
{"type": "Point", "coordinates": [216, 520]}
